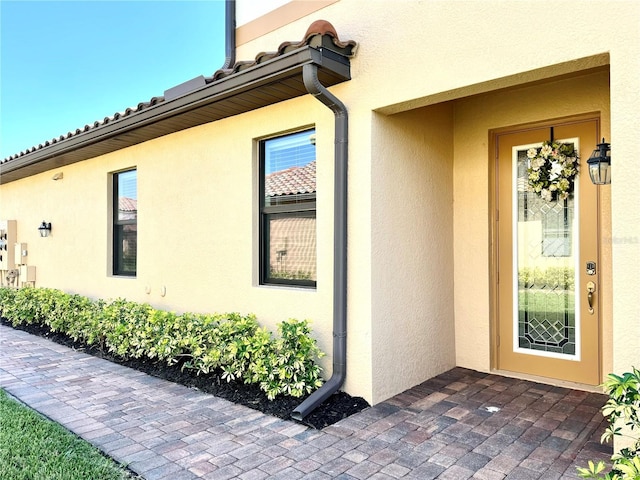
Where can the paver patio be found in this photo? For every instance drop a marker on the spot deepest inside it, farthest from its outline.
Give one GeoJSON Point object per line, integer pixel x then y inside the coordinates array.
{"type": "Point", "coordinates": [462, 424]}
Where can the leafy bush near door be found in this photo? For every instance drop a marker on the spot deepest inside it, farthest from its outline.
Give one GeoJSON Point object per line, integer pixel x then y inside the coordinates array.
{"type": "Point", "coordinates": [232, 343]}
{"type": "Point", "coordinates": [623, 413]}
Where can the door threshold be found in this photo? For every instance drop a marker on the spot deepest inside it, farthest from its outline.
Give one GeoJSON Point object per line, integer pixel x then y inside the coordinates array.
{"type": "Point", "coordinates": [549, 381]}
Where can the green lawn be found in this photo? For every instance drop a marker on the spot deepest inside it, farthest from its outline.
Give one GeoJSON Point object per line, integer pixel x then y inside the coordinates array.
{"type": "Point", "coordinates": [34, 448]}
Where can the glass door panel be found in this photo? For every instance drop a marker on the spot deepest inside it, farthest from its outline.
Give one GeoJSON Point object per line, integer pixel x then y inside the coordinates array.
{"type": "Point", "coordinates": [544, 273]}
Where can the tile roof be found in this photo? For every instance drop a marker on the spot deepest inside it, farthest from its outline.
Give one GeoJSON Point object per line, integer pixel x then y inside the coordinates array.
{"type": "Point", "coordinates": [292, 181]}
{"type": "Point", "coordinates": [126, 204]}
{"type": "Point", "coordinates": [317, 28]}
{"type": "Point", "coordinates": [314, 37]}
{"type": "Point", "coordinates": [78, 131]}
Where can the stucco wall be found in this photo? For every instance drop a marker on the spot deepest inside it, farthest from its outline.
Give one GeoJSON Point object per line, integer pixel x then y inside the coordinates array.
{"type": "Point", "coordinates": [197, 221]}
{"type": "Point", "coordinates": [625, 185]}
{"type": "Point", "coordinates": [246, 11]}
{"type": "Point", "coordinates": [424, 53]}
{"type": "Point", "coordinates": [412, 248]}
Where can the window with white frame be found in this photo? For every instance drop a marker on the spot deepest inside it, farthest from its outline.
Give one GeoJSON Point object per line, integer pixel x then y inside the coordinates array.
{"type": "Point", "coordinates": [125, 223]}
{"type": "Point", "coordinates": [288, 210]}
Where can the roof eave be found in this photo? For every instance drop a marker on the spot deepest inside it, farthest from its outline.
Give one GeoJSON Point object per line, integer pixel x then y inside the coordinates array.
{"type": "Point", "coordinates": [260, 85]}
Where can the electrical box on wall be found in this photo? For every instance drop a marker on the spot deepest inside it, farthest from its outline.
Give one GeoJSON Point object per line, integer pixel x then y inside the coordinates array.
{"type": "Point", "coordinates": [27, 273]}
{"type": "Point", "coordinates": [20, 254]}
{"type": "Point", "coordinates": [8, 237]}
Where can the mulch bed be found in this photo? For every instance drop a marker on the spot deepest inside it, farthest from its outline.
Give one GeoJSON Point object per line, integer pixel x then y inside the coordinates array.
{"type": "Point", "coordinates": [340, 405]}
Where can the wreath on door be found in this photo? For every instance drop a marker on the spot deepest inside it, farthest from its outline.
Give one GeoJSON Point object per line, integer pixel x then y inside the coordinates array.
{"type": "Point", "coordinates": [552, 170]}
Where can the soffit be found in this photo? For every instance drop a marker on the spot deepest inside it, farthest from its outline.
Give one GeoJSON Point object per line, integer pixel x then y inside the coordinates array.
{"type": "Point", "coordinates": [270, 78]}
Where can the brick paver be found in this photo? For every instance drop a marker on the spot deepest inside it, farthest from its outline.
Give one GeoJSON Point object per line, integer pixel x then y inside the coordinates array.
{"type": "Point", "coordinates": [442, 428]}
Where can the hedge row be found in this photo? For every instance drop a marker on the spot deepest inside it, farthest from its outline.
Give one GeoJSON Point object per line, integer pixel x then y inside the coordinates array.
{"type": "Point", "coordinates": [231, 343]}
{"type": "Point", "coordinates": [552, 277]}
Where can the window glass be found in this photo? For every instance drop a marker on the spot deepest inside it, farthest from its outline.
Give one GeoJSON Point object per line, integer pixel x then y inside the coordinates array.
{"type": "Point", "coordinates": [127, 195]}
{"type": "Point", "coordinates": [290, 169]}
{"type": "Point", "coordinates": [125, 228]}
{"type": "Point", "coordinates": [292, 246]}
{"type": "Point", "coordinates": [288, 209]}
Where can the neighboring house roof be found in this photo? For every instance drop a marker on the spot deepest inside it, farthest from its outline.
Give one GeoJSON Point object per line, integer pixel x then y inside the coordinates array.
{"type": "Point", "coordinates": [292, 181]}
{"type": "Point", "coordinates": [126, 204]}
{"type": "Point", "coordinates": [269, 78]}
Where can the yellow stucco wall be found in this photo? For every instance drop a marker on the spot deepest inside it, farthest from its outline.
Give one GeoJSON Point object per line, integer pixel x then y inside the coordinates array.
{"type": "Point", "coordinates": [412, 278]}
{"type": "Point", "coordinates": [430, 79]}
{"type": "Point", "coordinates": [498, 64]}
{"type": "Point", "coordinates": [197, 221]}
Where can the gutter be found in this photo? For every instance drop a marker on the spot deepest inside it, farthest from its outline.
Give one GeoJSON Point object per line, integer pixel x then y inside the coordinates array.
{"type": "Point", "coordinates": [212, 102]}
{"type": "Point", "coordinates": [271, 78]}
{"type": "Point", "coordinates": [315, 88]}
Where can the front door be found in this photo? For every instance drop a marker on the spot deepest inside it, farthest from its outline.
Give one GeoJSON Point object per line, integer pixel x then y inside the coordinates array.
{"type": "Point", "coordinates": [547, 261]}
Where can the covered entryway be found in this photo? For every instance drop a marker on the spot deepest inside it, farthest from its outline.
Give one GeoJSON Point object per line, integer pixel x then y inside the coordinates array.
{"type": "Point", "coordinates": [441, 176]}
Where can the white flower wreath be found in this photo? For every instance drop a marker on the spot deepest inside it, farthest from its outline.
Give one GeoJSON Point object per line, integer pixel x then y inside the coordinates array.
{"type": "Point", "coordinates": [552, 170]}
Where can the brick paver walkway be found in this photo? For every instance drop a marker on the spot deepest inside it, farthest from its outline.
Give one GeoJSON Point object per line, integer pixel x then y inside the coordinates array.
{"type": "Point", "coordinates": [462, 424]}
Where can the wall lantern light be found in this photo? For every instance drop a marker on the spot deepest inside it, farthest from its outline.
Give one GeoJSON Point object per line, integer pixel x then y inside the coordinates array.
{"type": "Point", "coordinates": [44, 229]}
{"type": "Point", "coordinates": [600, 164]}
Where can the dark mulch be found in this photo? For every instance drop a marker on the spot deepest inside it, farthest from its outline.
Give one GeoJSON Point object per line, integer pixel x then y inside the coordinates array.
{"type": "Point", "coordinates": [340, 405]}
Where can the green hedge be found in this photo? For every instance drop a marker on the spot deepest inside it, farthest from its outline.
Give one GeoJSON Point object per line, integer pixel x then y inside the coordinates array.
{"type": "Point", "coordinates": [231, 343]}
{"type": "Point", "coordinates": [554, 277]}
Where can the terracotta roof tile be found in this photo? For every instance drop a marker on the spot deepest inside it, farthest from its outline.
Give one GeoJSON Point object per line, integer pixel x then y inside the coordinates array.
{"type": "Point", "coordinates": [294, 180]}
{"type": "Point", "coordinates": [98, 123]}
{"type": "Point", "coordinates": [313, 37]}
{"type": "Point", "coordinates": [126, 204]}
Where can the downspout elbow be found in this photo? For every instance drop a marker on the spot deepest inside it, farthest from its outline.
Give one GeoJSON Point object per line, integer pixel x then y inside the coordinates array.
{"type": "Point", "coordinates": [318, 397]}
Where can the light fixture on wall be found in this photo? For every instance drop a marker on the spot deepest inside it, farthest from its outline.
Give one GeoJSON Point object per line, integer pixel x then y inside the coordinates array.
{"type": "Point", "coordinates": [44, 229]}
{"type": "Point", "coordinates": [600, 164]}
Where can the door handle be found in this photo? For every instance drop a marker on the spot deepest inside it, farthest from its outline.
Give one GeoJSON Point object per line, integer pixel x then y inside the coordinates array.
{"type": "Point", "coordinates": [591, 288]}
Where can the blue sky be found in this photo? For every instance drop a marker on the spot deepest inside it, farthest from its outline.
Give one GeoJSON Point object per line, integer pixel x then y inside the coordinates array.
{"type": "Point", "coordinates": [68, 64]}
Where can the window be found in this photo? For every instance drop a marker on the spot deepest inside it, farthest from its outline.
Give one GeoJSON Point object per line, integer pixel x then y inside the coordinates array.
{"type": "Point", "coordinates": [125, 223]}
{"type": "Point", "coordinates": [288, 210]}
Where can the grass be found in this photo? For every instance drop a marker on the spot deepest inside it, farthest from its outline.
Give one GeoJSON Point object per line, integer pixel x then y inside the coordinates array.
{"type": "Point", "coordinates": [34, 448]}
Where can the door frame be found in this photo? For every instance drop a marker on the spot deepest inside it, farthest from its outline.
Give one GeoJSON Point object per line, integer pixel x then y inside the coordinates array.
{"type": "Point", "coordinates": [493, 228]}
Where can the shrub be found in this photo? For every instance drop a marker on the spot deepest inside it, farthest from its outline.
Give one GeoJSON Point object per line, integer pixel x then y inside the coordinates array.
{"type": "Point", "coordinates": [125, 325]}
{"type": "Point", "coordinates": [622, 410]}
{"type": "Point", "coordinates": [556, 277]}
{"type": "Point", "coordinates": [8, 303]}
{"type": "Point", "coordinates": [231, 343]}
{"type": "Point", "coordinates": [189, 336]}
{"type": "Point", "coordinates": [295, 353]}
{"type": "Point", "coordinates": [23, 306]}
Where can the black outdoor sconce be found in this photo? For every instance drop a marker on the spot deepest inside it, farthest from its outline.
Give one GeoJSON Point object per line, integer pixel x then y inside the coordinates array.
{"type": "Point", "coordinates": [44, 229]}
{"type": "Point", "coordinates": [600, 164]}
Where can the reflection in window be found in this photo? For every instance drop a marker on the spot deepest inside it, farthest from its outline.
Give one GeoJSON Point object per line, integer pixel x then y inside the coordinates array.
{"type": "Point", "coordinates": [556, 229]}
{"type": "Point", "coordinates": [125, 223]}
{"type": "Point", "coordinates": [292, 246]}
{"type": "Point", "coordinates": [288, 209]}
